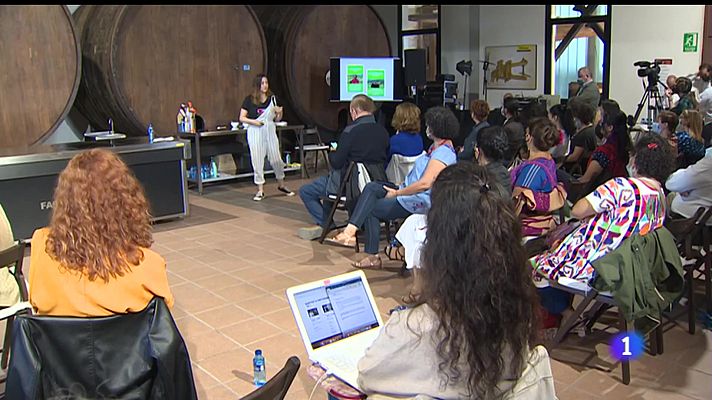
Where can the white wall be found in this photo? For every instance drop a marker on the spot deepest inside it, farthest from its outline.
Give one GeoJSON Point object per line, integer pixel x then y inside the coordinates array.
{"type": "Point", "coordinates": [458, 44]}
{"type": "Point", "coordinates": [512, 25]}
{"type": "Point", "coordinates": [645, 33]}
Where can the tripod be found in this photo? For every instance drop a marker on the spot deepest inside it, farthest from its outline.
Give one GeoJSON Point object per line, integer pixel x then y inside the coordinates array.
{"type": "Point", "coordinates": [652, 97]}
{"type": "Point", "coordinates": [485, 65]}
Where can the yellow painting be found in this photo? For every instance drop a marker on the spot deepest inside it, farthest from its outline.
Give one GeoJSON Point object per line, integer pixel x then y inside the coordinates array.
{"type": "Point", "coordinates": [512, 67]}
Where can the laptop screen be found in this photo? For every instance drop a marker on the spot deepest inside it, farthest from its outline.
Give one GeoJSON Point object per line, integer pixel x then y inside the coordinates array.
{"type": "Point", "coordinates": [335, 311]}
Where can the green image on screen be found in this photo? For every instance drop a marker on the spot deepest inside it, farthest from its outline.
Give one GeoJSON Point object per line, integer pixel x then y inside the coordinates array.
{"type": "Point", "coordinates": [376, 82]}
{"type": "Point", "coordinates": [354, 78]}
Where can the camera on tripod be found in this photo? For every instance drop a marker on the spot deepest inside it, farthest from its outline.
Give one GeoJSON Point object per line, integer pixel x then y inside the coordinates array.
{"type": "Point", "coordinates": [648, 69]}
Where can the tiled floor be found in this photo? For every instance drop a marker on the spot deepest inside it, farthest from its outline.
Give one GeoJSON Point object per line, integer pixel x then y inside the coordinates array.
{"type": "Point", "coordinates": [230, 262]}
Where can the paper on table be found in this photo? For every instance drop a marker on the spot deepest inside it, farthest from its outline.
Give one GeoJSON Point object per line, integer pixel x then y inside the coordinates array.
{"type": "Point", "coordinates": [281, 123]}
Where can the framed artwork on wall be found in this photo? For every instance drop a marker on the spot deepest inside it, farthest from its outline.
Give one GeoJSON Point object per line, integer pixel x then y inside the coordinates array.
{"type": "Point", "coordinates": [511, 67]}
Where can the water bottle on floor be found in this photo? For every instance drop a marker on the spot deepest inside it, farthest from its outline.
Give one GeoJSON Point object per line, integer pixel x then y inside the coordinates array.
{"type": "Point", "coordinates": [258, 362]}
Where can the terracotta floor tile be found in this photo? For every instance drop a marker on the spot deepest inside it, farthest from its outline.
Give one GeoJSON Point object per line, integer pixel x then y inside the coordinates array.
{"type": "Point", "coordinates": [564, 373]}
{"type": "Point", "coordinates": [190, 326]}
{"type": "Point", "coordinates": [196, 300]}
{"type": "Point", "coordinates": [223, 316]}
{"type": "Point", "coordinates": [228, 365]}
{"type": "Point", "coordinates": [238, 293]}
{"type": "Point", "coordinates": [220, 393]}
{"type": "Point", "coordinates": [275, 283]}
{"type": "Point", "coordinates": [595, 382]}
{"type": "Point", "coordinates": [689, 382]}
{"type": "Point", "coordinates": [253, 273]}
{"type": "Point", "coordinates": [217, 282]}
{"type": "Point", "coordinates": [696, 359]}
{"type": "Point", "coordinates": [250, 331]}
{"type": "Point", "coordinates": [277, 349]}
{"type": "Point", "coordinates": [208, 344]}
{"type": "Point", "coordinates": [283, 318]}
{"type": "Point", "coordinates": [203, 380]}
{"type": "Point", "coordinates": [259, 306]}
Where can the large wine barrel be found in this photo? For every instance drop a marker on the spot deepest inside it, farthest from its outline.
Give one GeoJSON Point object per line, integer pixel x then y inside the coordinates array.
{"type": "Point", "coordinates": [41, 66]}
{"type": "Point", "coordinates": [302, 39]}
{"type": "Point", "coordinates": [141, 62]}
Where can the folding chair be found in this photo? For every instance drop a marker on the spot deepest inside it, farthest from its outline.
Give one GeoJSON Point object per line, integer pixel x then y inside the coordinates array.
{"type": "Point", "coordinates": [314, 145]}
{"type": "Point", "coordinates": [685, 230]}
{"type": "Point", "coordinates": [9, 258]}
{"type": "Point", "coordinates": [600, 301]}
{"type": "Point", "coordinates": [338, 202]}
{"type": "Point", "coordinates": [399, 167]}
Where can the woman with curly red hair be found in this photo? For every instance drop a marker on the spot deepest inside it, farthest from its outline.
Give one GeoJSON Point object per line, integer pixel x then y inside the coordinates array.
{"type": "Point", "coordinates": [94, 259]}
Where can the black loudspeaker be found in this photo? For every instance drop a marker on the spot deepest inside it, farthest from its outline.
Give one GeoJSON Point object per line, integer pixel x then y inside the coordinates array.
{"type": "Point", "coordinates": [415, 67]}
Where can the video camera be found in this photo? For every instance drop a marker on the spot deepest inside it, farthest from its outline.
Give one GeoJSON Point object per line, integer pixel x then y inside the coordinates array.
{"type": "Point", "coordinates": [648, 69]}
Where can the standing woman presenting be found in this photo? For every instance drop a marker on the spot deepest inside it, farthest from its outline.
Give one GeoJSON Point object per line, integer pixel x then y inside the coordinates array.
{"type": "Point", "coordinates": [259, 112]}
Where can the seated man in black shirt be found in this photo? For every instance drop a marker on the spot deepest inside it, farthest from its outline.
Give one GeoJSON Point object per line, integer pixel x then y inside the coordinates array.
{"type": "Point", "coordinates": [584, 141]}
{"type": "Point", "coordinates": [364, 141]}
{"type": "Point", "coordinates": [496, 117]}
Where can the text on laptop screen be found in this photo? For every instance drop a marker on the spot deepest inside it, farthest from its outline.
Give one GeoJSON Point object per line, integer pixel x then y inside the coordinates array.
{"type": "Point", "coordinates": [334, 312]}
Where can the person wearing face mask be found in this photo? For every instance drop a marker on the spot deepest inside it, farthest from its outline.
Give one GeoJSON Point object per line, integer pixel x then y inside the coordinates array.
{"type": "Point", "coordinates": [611, 158]}
{"type": "Point", "coordinates": [496, 117]}
{"type": "Point", "coordinates": [584, 141]}
{"type": "Point", "coordinates": [690, 145]}
{"type": "Point", "coordinates": [588, 90]}
{"type": "Point", "coordinates": [665, 127]}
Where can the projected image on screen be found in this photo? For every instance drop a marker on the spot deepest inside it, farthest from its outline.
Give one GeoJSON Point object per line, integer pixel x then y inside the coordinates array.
{"type": "Point", "coordinates": [376, 83]}
{"type": "Point", "coordinates": [372, 76]}
{"type": "Point", "coordinates": [354, 79]}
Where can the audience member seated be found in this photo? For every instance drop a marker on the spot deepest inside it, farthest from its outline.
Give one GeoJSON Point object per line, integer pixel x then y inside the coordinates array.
{"type": "Point", "coordinates": [610, 159]}
{"type": "Point", "coordinates": [671, 96]}
{"type": "Point", "coordinates": [407, 141]}
{"type": "Point", "coordinates": [491, 147]}
{"type": "Point", "coordinates": [588, 91]}
{"type": "Point", "coordinates": [471, 332]}
{"type": "Point", "coordinates": [561, 116]}
{"type": "Point", "coordinates": [692, 187]}
{"type": "Point", "coordinates": [665, 126]}
{"type": "Point", "coordinates": [690, 145]}
{"type": "Point", "coordinates": [496, 117]}
{"type": "Point", "coordinates": [688, 100]}
{"type": "Point", "coordinates": [515, 132]}
{"type": "Point", "coordinates": [9, 290]}
{"type": "Point", "coordinates": [613, 212]}
{"type": "Point", "coordinates": [383, 201]}
{"type": "Point", "coordinates": [363, 141]}
{"type": "Point", "coordinates": [94, 259]}
{"type": "Point", "coordinates": [583, 143]}
{"type": "Point", "coordinates": [478, 111]}
{"type": "Point", "coordinates": [535, 187]}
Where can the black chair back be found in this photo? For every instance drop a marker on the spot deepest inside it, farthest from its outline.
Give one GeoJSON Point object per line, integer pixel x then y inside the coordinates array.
{"type": "Point", "coordinates": [276, 388]}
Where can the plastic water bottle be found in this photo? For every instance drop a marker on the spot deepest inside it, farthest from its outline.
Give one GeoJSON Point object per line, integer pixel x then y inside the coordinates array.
{"type": "Point", "coordinates": [258, 362]}
{"type": "Point", "coordinates": [213, 168]}
{"type": "Point", "coordinates": [150, 132]}
{"type": "Point", "coordinates": [288, 158]}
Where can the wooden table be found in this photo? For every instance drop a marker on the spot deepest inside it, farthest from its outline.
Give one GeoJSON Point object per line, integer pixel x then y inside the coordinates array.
{"type": "Point", "coordinates": [197, 137]}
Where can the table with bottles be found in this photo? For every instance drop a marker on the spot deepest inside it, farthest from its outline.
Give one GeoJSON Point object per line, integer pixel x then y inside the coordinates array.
{"type": "Point", "coordinates": [212, 175]}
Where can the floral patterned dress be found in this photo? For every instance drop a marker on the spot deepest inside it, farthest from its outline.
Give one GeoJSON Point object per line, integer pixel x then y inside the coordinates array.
{"type": "Point", "coordinates": [624, 207]}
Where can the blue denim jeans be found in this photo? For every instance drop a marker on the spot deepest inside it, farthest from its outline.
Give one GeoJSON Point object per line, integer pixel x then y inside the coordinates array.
{"type": "Point", "coordinates": [310, 195]}
{"type": "Point", "coordinates": [372, 208]}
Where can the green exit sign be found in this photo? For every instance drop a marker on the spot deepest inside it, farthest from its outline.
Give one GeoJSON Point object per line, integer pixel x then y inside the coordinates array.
{"type": "Point", "coordinates": [689, 42]}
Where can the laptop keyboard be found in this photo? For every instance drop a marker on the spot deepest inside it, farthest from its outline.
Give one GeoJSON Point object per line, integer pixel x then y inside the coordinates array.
{"type": "Point", "coordinates": [342, 361]}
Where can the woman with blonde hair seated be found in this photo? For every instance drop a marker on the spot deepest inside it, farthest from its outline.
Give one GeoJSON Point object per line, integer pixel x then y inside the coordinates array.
{"type": "Point", "coordinates": [690, 144]}
{"type": "Point", "coordinates": [94, 259]}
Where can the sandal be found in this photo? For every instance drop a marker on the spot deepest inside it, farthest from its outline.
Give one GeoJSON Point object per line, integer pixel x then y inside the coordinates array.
{"type": "Point", "coordinates": [397, 255]}
{"type": "Point", "coordinates": [340, 240]}
{"type": "Point", "coordinates": [368, 263]}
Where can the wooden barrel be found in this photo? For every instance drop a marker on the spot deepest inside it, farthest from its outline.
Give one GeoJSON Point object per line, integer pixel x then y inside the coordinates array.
{"type": "Point", "coordinates": [141, 62]}
{"type": "Point", "coordinates": [302, 39]}
{"type": "Point", "coordinates": [41, 67]}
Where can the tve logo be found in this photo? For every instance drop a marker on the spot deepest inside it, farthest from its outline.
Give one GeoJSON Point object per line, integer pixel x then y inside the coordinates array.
{"type": "Point", "coordinates": [46, 205]}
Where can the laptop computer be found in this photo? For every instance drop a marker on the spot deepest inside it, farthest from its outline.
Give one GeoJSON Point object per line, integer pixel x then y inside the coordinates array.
{"type": "Point", "coordinates": [338, 320]}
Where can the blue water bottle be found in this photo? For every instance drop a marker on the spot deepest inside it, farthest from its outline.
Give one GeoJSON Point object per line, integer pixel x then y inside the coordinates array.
{"type": "Point", "coordinates": [150, 132]}
{"type": "Point", "coordinates": [258, 362]}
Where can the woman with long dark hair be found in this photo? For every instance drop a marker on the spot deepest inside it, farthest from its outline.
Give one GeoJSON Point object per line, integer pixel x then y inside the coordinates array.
{"type": "Point", "coordinates": [470, 331]}
{"type": "Point", "coordinates": [561, 116]}
{"type": "Point", "coordinates": [610, 159]}
{"type": "Point", "coordinates": [259, 112]}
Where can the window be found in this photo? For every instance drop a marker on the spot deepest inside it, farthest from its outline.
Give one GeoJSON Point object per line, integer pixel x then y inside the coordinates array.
{"type": "Point", "coordinates": [577, 36]}
{"type": "Point", "coordinates": [420, 29]}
